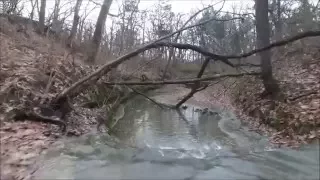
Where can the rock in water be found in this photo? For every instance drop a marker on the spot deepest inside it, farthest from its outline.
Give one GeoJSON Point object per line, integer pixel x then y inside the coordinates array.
{"type": "Point", "coordinates": [205, 110]}
{"type": "Point", "coordinates": [213, 113]}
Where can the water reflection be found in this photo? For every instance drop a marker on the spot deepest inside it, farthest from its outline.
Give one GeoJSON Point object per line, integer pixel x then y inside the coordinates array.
{"type": "Point", "coordinates": [145, 123]}
{"type": "Point", "coordinates": [154, 143]}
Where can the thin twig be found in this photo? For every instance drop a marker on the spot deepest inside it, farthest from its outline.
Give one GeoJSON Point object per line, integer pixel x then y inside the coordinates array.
{"type": "Point", "coordinates": [146, 97]}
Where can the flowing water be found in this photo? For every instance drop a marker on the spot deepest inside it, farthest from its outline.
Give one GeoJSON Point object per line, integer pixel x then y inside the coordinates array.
{"type": "Point", "coordinates": [154, 143]}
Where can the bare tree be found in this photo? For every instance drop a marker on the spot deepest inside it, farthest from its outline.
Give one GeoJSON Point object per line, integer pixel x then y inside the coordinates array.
{"type": "Point", "coordinates": [98, 30]}
{"type": "Point", "coordinates": [263, 40]}
{"type": "Point", "coordinates": [275, 12]}
{"type": "Point", "coordinates": [33, 6]}
{"type": "Point", "coordinates": [278, 24]}
{"type": "Point", "coordinates": [42, 15]}
{"type": "Point", "coordinates": [76, 19]}
{"type": "Point", "coordinates": [10, 7]}
{"type": "Point", "coordinates": [56, 11]}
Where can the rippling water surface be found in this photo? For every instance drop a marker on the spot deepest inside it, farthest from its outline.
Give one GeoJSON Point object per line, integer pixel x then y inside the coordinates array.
{"type": "Point", "coordinates": [154, 143]}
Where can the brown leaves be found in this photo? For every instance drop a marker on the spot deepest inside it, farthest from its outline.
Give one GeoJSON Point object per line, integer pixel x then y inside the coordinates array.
{"type": "Point", "coordinates": [297, 120]}
{"type": "Point", "coordinates": [21, 143]}
{"type": "Point", "coordinates": [25, 69]}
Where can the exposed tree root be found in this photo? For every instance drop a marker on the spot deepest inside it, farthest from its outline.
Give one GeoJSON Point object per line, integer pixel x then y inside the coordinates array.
{"type": "Point", "coordinates": [31, 115]}
{"type": "Point", "coordinates": [302, 95]}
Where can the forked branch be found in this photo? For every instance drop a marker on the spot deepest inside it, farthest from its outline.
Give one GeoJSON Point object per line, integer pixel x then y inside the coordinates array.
{"type": "Point", "coordinates": [196, 86]}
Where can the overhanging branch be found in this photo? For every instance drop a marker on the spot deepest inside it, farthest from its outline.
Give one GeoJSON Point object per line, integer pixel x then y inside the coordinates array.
{"type": "Point", "coordinates": [105, 68]}
{"type": "Point", "coordinates": [196, 86]}
{"type": "Point", "coordinates": [184, 81]}
{"type": "Point", "coordinates": [194, 48]}
{"type": "Point", "coordinates": [277, 44]}
{"type": "Point", "coordinates": [225, 58]}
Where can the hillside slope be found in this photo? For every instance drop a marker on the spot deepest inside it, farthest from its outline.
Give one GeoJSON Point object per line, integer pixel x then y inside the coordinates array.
{"type": "Point", "coordinates": [33, 69]}
{"type": "Point", "coordinates": [296, 118]}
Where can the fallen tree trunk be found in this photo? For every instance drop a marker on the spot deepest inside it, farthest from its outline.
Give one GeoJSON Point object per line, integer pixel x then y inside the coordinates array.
{"type": "Point", "coordinates": [196, 86]}
{"type": "Point", "coordinates": [191, 93]}
{"type": "Point", "coordinates": [184, 81]}
{"type": "Point", "coordinates": [108, 66]}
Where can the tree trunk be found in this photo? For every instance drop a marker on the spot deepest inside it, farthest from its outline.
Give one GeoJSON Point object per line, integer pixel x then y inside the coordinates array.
{"type": "Point", "coordinates": [263, 40]}
{"type": "Point", "coordinates": [76, 19]}
{"type": "Point", "coordinates": [33, 6]}
{"type": "Point", "coordinates": [56, 11]}
{"type": "Point", "coordinates": [42, 16]}
{"type": "Point", "coordinates": [278, 23]}
{"type": "Point", "coordinates": [98, 31]}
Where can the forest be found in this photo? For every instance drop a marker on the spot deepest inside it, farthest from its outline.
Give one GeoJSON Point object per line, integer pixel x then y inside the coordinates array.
{"type": "Point", "coordinates": [67, 68]}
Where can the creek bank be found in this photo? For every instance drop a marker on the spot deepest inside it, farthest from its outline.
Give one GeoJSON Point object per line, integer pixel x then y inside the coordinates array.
{"type": "Point", "coordinates": [295, 118]}
{"type": "Point", "coordinates": [33, 70]}
{"type": "Point", "coordinates": [164, 143]}
{"type": "Point", "coordinates": [290, 121]}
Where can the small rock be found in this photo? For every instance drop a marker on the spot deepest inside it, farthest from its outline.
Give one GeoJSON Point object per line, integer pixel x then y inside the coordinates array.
{"type": "Point", "coordinates": [73, 133]}
{"type": "Point", "coordinates": [28, 132]}
{"type": "Point", "coordinates": [213, 113]}
{"type": "Point", "coordinates": [56, 135]}
{"type": "Point", "coordinates": [205, 110]}
{"type": "Point", "coordinates": [47, 133]}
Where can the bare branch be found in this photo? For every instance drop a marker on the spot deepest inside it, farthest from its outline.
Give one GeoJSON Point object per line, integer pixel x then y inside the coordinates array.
{"type": "Point", "coordinates": [125, 57]}
{"type": "Point", "coordinates": [178, 34]}
{"type": "Point", "coordinates": [106, 68]}
{"type": "Point", "coordinates": [194, 48]}
{"type": "Point", "coordinates": [195, 14]}
{"type": "Point", "coordinates": [145, 96]}
{"type": "Point", "coordinates": [277, 44]}
{"type": "Point", "coordinates": [184, 81]}
{"type": "Point", "coordinates": [225, 58]}
{"type": "Point", "coordinates": [97, 4]}
{"type": "Point", "coordinates": [247, 64]}
{"type": "Point", "coordinates": [196, 86]}
{"type": "Point", "coordinates": [316, 7]}
{"type": "Point", "coordinates": [190, 94]}
{"type": "Point", "coordinates": [114, 63]}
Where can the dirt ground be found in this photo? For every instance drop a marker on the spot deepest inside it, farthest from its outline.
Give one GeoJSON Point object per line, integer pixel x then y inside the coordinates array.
{"type": "Point", "coordinates": [28, 62]}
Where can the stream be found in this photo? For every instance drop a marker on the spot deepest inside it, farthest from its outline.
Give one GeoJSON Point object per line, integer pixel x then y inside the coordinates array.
{"type": "Point", "coordinates": [153, 143]}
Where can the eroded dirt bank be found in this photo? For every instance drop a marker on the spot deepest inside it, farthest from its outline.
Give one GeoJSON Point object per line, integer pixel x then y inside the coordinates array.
{"type": "Point", "coordinates": [34, 69]}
